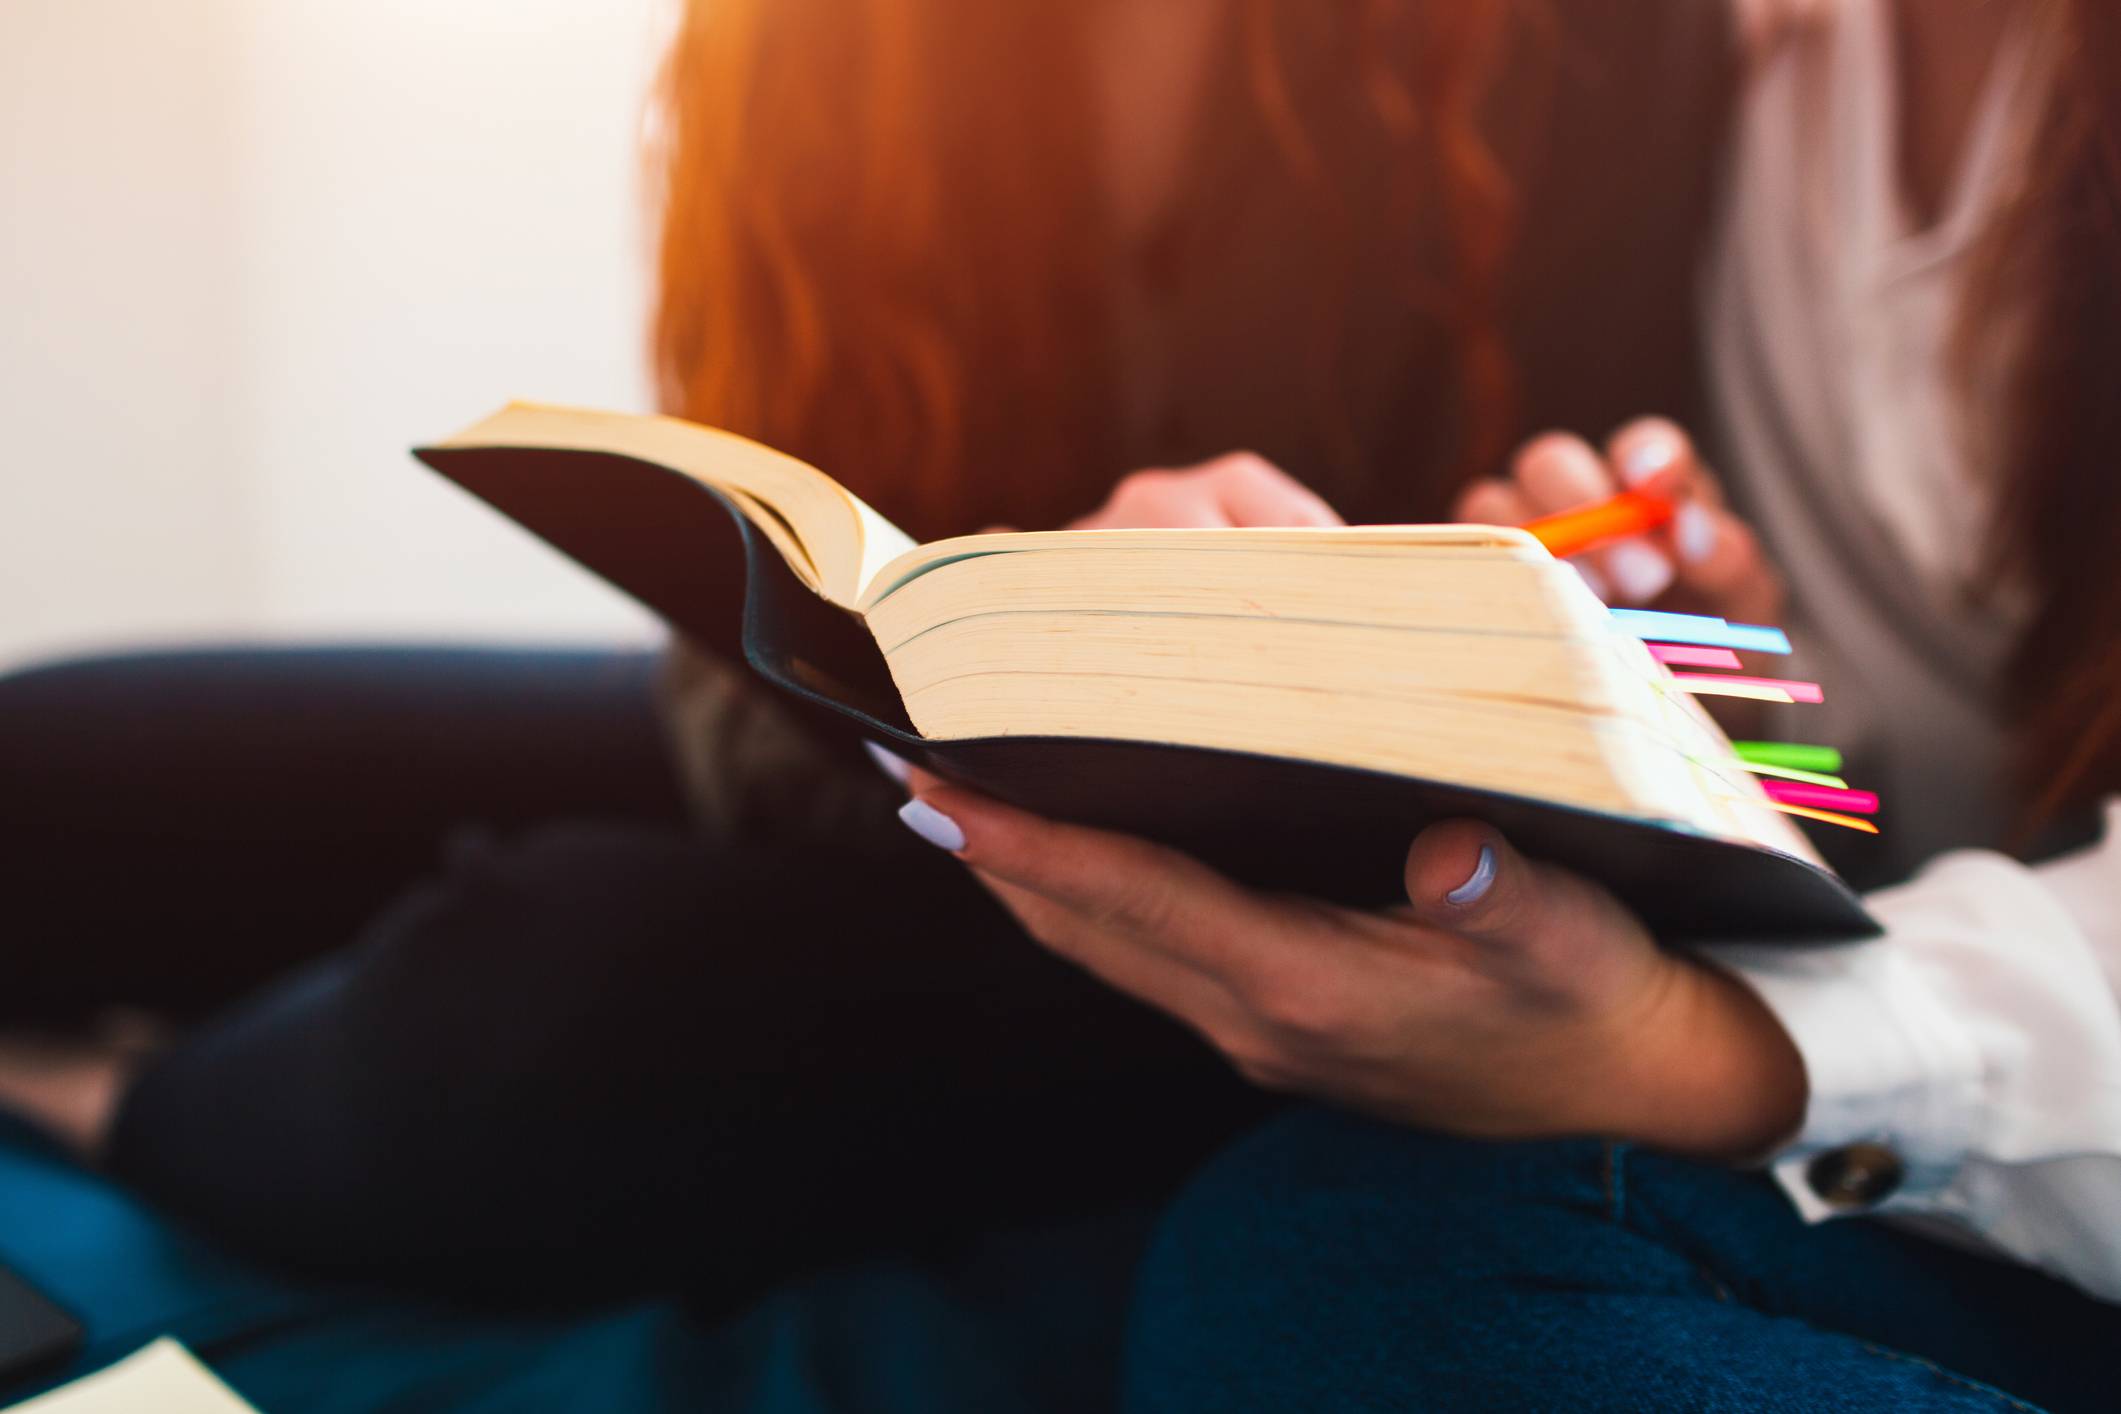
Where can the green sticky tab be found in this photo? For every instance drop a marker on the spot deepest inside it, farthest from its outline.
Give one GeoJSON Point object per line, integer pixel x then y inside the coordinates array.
{"type": "Point", "coordinates": [1792, 754]}
{"type": "Point", "coordinates": [1794, 773]}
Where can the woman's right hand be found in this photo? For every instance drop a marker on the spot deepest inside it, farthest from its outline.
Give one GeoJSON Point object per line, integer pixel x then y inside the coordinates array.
{"type": "Point", "coordinates": [1706, 561]}
{"type": "Point", "coordinates": [1238, 488]}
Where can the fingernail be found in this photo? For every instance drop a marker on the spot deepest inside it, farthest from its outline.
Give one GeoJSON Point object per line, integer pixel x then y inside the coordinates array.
{"type": "Point", "coordinates": [1694, 531]}
{"type": "Point", "coordinates": [889, 762]}
{"type": "Point", "coordinates": [1649, 455]}
{"type": "Point", "coordinates": [1592, 579]}
{"type": "Point", "coordinates": [1475, 888]}
{"type": "Point", "coordinates": [1639, 571]}
{"type": "Point", "coordinates": [932, 825]}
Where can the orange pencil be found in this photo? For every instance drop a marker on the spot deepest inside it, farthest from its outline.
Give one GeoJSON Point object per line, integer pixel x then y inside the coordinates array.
{"type": "Point", "coordinates": [1569, 533]}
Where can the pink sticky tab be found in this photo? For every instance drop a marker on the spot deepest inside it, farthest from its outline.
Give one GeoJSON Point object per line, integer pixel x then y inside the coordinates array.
{"type": "Point", "coordinates": [1687, 655]}
{"type": "Point", "coordinates": [1862, 802]}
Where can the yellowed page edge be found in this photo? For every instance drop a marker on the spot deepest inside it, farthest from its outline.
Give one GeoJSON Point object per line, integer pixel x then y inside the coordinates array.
{"type": "Point", "coordinates": [1324, 539]}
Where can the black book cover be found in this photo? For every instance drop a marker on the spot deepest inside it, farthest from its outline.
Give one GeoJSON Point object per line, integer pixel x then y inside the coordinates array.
{"type": "Point", "coordinates": [1331, 831]}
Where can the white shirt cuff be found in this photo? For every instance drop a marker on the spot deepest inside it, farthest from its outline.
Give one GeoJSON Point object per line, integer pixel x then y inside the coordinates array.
{"type": "Point", "coordinates": [1890, 1058]}
{"type": "Point", "coordinates": [1877, 1075]}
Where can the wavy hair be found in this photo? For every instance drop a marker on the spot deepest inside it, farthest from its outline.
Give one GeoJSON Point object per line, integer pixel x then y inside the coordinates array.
{"type": "Point", "coordinates": [883, 242]}
{"type": "Point", "coordinates": [2049, 272]}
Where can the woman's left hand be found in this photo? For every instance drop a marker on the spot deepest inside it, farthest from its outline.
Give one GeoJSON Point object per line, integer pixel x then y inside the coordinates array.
{"type": "Point", "coordinates": [1506, 999]}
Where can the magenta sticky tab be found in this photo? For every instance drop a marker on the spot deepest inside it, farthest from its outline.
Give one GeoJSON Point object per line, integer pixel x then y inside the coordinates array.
{"type": "Point", "coordinates": [1860, 802]}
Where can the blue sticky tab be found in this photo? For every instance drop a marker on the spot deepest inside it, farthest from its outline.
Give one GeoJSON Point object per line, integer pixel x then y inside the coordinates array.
{"type": "Point", "coordinates": [1652, 626]}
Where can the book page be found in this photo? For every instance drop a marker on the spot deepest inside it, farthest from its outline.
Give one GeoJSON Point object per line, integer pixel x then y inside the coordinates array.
{"type": "Point", "coordinates": [162, 1376]}
{"type": "Point", "coordinates": [831, 539]}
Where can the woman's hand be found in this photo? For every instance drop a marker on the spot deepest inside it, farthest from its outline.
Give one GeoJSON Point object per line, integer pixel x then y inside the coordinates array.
{"type": "Point", "coordinates": [1506, 999]}
{"type": "Point", "coordinates": [1706, 561]}
{"type": "Point", "coordinates": [1238, 488]}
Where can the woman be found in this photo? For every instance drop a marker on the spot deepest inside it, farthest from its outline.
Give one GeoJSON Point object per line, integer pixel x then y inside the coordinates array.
{"type": "Point", "coordinates": [1913, 301]}
{"type": "Point", "coordinates": [1370, 430]}
{"type": "Point", "coordinates": [978, 260]}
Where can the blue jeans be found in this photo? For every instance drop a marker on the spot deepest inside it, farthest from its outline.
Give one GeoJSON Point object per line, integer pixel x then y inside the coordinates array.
{"type": "Point", "coordinates": [1026, 1322]}
{"type": "Point", "coordinates": [1330, 1264]}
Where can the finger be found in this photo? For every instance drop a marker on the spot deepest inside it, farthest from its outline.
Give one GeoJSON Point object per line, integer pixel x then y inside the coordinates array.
{"type": "Point", "coordinates": [1156, 513]}
{"type": "Point", "coordinates": [1160, 499]}
{"type": "Point", "coordinates": [897, 767]}
{"type": "Point", "coordinates": [1167, 900]}
{"type": "Point", "coordinates": [1492, 502]}
{"type": "Point", "coordinates": [1722, 566]}
{"type": "Point", "coordinates": [1253, 491]}
{"type": "Point", "coordinates": [1716, 557]}
{"type": "Point", "coordinates": [1560, 473]}
{"type": "Point", "coordinates": [1638, 571]}
{"type": "Point", "coordinates": [1118, 960]}
{"type": "Point", "coordinates": [1557, 472]}
{"type": "Point", "coordinates": [1465, 879]}
{"type": "Point", "coordinates": [1453, 871]}
{"type": "Point", "coordinates": [1654, 455]}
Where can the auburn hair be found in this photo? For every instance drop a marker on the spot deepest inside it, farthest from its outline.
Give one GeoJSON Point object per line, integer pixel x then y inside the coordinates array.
{"type": "Point", "coordinates": [884, 237]}
{"type": "Point", "coordinates": [2048, 273]}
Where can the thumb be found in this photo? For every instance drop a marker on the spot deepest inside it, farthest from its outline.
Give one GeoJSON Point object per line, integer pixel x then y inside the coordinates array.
{"type": "Point", "coordinates": [1463, 877]}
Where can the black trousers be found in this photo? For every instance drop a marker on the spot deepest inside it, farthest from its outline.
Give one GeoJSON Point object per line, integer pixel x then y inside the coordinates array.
{"type": "Point", "coordinates": [504, 1027]}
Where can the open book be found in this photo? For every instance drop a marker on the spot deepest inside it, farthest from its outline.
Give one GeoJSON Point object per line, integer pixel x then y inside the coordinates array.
{"type": "Point", "coordinates": [1293, 705]}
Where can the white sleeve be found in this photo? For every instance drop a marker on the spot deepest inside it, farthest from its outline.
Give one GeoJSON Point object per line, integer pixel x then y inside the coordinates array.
{"type": "Point", "coordinates": [1966, 1066]}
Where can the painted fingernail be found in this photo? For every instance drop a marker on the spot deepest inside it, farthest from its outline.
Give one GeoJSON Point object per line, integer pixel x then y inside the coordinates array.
{"type": "Point", "coordinates": [1650, 455]}
{"type": "Point", "coordinates": [1592, 579]}
{"type": "Point", "coordinates": [1694, 531]}
{"type": "Point", "coordinates": [932, 825]}
{"type": "Point", "coordinates": [889, 762]}
{"type": "Point", "coordinates": [1476, 887]}
{"type": "Point", "coordinates": [1638, 571]}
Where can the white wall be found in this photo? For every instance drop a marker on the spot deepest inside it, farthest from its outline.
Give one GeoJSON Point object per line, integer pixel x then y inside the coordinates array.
{"type": "Point", "coordinates": [250, 250]}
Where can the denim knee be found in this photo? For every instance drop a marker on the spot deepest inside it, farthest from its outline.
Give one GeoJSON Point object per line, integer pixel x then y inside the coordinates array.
{"type": "Point", "coordinates": [1330, 1263]}
{"type": "Point", "coordinates": [1321, 1170]}
{"type": "Point", "coordinates": [1323, 1241]}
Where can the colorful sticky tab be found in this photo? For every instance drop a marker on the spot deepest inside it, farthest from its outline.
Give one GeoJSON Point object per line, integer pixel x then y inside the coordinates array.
{"type": "Point", "coordinates": [1682, 655]}
{"type": "Point", "coordinates": [1794, 754]}
{"type": "Point", "coordinates": [1657, 626]}
{"type": "Point", "coordinates": [1572, 532]}
{"type": "Point", "coordinates": [1847, 822]}
{"type": "Point", "coordinates": [1732, 685]}
{"type": "Point", "coordinates": [1793, 773]}
{"type": "Point", "coordinates": [1861, 802]}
